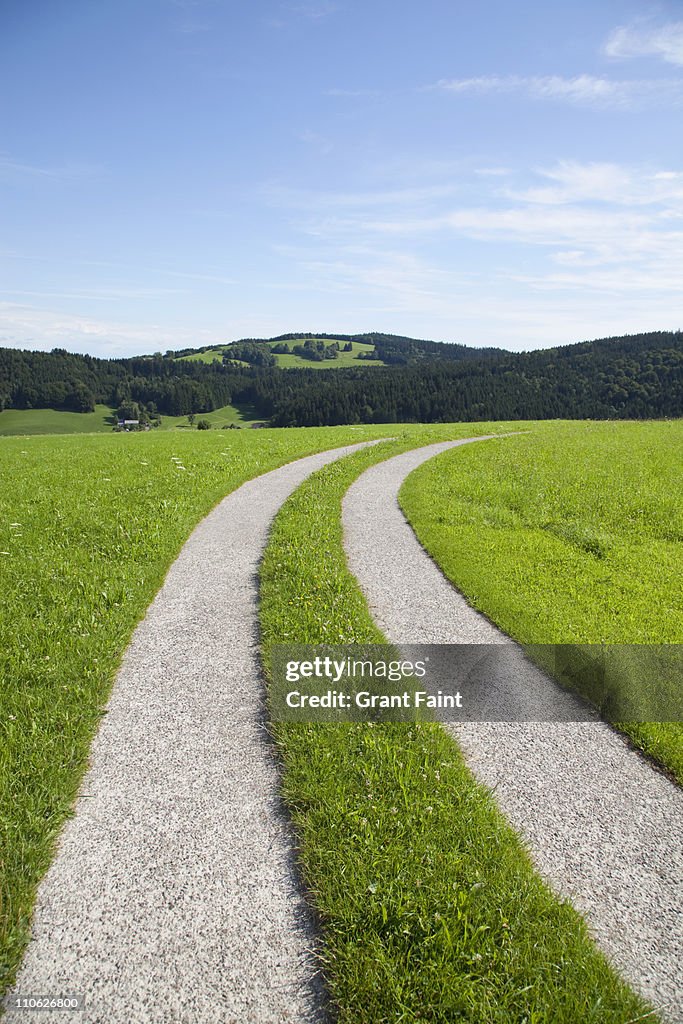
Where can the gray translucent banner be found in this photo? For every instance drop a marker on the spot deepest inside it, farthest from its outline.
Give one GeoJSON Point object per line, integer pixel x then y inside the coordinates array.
{"type": "Point", "coordinates": [477, 683]}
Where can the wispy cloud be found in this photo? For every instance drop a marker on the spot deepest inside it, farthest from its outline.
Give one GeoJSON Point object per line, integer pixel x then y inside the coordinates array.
{"type": "Point", "coordinates": [573, 182]}
{"type": "Point", "coordinates": [384, 279]}
{"type": "Point", "coordinates": [315, 10]}
{"type": "Point", "coordinates": [353, 93]}
{"type": "Point", "coordinates": [498, 306]}
{"type": "Point", "coordinates": [575, 221]}
{"type": "Point", "coordinates": [213, 278]}
{"type": "Point", "coordinates": [98, 294]}
{"type": "Point", "coordinates": [319, 142]}
{"type": "Point", "coordinates": [24, 326]}
{"type": "Point", "coordinates": [340, 201]}
{"type": "Point", "coordinates": [607, 236]}
{"type": "Point", "coordinates": [492, 172]}
{"type": "Point", "coordinates": [583, 90]}
{"type": "Point", "coordinates": [131, 271]}
{"type": "Point", "coordinates": [192, 28]}
{"type": "Point", "coordinates": [191, 5]}
{"type": "Point", "coordinates": [615, 280]}
{"type": "Point", "coordinates": [642, 40]}
{"type": "Point", "coordinates": [68, 171]}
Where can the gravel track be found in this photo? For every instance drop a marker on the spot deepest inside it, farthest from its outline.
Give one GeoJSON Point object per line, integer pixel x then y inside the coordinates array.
{"type": "Point", "coordinates": [602, 825]}
{"type": "Point", "coordinates": [173, 895]}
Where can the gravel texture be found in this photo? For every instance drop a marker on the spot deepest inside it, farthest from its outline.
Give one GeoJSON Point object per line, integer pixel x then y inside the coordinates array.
{"type": "Point", "coordinates": [602, 825]}
{"type": "Point", "coordinates": [173, 895]}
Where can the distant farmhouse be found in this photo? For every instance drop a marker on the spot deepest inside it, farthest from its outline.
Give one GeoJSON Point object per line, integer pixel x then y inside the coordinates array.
{"type": "Point", "coordinates": [131, 425]}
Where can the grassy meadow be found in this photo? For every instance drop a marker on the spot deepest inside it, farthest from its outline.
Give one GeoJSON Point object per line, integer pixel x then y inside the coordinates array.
{"type": "Point", "coordinates": [88, 527]}
{"type": "Point", "coordinates": [54, 421]}
{"type": "Point", "coordinates": [568, 534]}
{"type": "Point", "coordinates": [343, 359]}
{"type": "Point", "coordinates": [288, 360]}
{"type": "Point", "coordinates": [210, 355]}
{"type": "Point", "coordinates": [17, 422]}
{"type": "Point", "coordinates": [429, 906]}
{"type": "Point", "coordinates": [242, 415]}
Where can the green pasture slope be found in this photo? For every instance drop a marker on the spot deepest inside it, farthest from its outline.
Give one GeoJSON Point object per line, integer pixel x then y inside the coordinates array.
{"type": "Point", "coordinates": [344, 359]}
{"type": "Point", "coordinates": [429, 906]}
{"type": "Point", "coordinates": [14, 422]}
{"type": "Point", "coordinates": [53, 421]}
{"type": "Point", "coordinates": [211, 355]}
{"type": "Point", "coordinates": [228, 415]}
{"type": "Point", "coordinates": [569, 534]}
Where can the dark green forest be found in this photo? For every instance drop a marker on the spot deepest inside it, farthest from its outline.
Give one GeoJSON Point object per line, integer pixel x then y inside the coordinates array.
{"type": "Point", "coordinates": [631, 377]}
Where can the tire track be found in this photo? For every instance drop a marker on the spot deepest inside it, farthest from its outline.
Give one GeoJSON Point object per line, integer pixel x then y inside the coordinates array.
{"type": "Point", "coordinates": [602, 826]}
{"type": "Point", "coordinates": [173, 894]}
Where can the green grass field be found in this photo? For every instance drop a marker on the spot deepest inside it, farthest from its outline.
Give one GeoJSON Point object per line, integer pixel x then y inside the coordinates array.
{"type": "Point", "coordinates": [240, 415]}
{"type": "Point", "coordinates": [569, 534]}
{"type": "Point", "coordinates": [344, 359]}
{"type": "Point", "coordinates": [426, 897]}
{"type": "Point", "coordinates": [88, 527]}
{"type": "Point", "coordinates": [211, 355]}
{"type": "Point", "coordinates": [52, 421]}
{"type": "Point", "coordinates": [15, 422]}
{"type": "Point", "coordinates": [429, 906]}
{"type": "Point", "coordinates": [287, 361]}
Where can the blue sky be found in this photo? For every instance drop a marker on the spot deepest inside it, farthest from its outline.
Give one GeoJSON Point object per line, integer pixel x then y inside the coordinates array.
{"type": "Point", "coordinates": [183, 172]}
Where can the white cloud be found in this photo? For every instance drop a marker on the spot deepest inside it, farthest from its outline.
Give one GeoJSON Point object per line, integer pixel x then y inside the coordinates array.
{"type": "Point", "coordinates": [609, 236]}
{"type": "Point", "coordinates": [28, 327]}
{"type": "Point", "coordinates": [639, 40]}
{"type": "Point", "coordinates": [593, 222]}
{"type": "Point", "coordinates": [583, 90]}
{"type": "Point", "coordinates": [617, 280]}
{"type": "Point", "coordinates": [581, 250]}
{"type": "Point", "coordinates": [409, 295]}
{"type": "Point", "coordinates": [606, 183]}
{"type": "Point", "coordinates": [24, 326]}
{"type": "Point", "coordinates": [521, 258]}
{"type": "Point", "coordinates": [388, 279]}
{"type": "Point", "coordinates": [603, 237]}
{"type": "Point", "coordinates": [572, 258]}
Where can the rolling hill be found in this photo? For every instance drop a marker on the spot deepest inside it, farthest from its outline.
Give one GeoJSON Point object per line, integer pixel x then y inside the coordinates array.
{"type": "Point", "coordinates": [379, 379]}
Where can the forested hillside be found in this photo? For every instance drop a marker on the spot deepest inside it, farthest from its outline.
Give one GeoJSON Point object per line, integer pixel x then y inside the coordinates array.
{"type": "Point", "coordinates": [632, 377]}
{"type": "Point", "coordinates": [636, 377]}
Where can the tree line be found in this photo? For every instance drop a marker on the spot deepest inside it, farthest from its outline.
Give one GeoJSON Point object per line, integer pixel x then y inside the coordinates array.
{"type": "Point", "coordinates": [630, 377]}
